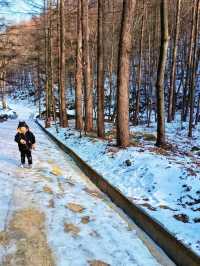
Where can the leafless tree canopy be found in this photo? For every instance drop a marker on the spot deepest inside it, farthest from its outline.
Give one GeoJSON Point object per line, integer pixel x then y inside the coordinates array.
{"type": "Point", "coordinates": [118, 61]}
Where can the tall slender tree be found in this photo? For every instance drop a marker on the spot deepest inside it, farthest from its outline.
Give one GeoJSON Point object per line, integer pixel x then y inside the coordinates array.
{"type": "Point", "coordinates": [87, 69]}
{"type": "Point", "coordinates": [3, 80]}
{"type": "Point", "coordinates": [3, 87]}
{"type": "Point", "coordinates": [125, 48]}
{"type": "Point", "coordinates": [63, 114]}
{"type": "Point", "coordinates": [172, 88]}
{"type": "Point", "coordinates": [139, 75]}
{"type": "Point", "coordinates": [186, 91]}
{"type": "Point", "coordinates": [194, 67]}
{"type": "Point", "coordinates": [38, 87]}
{"type": "Point", "coordinates": [100, 71]}
{"type": "Point", "coordinates": [50, 58]}
{"type": "Point", "coordinates": [79, 71]}
{"type": "Point", "coordinates": [58, 49]}
{"type": "Point", "coordinates": [46, 30]}
{"type": "Point", "coordinates": [161, 73]}
{"type": "Point", "coordinates": [111, 64]}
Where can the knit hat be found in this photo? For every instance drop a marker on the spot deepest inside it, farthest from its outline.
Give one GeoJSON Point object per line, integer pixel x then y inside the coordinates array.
{"type": "Point", "coordinates": [22, 124]}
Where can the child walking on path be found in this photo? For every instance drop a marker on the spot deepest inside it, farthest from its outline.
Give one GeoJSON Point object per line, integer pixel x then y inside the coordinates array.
{"type": "Point", "coordinates": [26, 142]}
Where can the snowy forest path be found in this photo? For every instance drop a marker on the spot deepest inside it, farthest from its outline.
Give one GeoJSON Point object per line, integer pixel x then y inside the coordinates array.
{"type": "Point", "coordinates": [53, 215]}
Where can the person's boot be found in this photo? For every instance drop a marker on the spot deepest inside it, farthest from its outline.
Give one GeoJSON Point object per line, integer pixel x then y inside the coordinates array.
{"type": "Point", "coordinates": [30, 166]}
{"type": "Point", "coordinates": [22, 165]}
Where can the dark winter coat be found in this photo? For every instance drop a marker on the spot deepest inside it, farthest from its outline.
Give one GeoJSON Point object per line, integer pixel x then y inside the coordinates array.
{"type": "Point", "coordinates": [28, 137]}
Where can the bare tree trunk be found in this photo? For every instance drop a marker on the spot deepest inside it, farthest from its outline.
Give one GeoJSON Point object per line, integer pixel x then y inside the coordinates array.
{"type": "Point", "coordinates": [194, 64]}
{"type": "Point", "coordinates": [198, 109]}
{"type": "Point", "coordinates": [63, 114]}
{"type": "Point", "coordinates": [58, 49]}
{"type": "Point", "coordinates": [111, 62]}
{"type": "Point", "coordinates": [3, 96]}
{"type": "Point", "coordinates": [161, 73]}
{"type": "Point", "coordinates": [152, 48]}
{"type": "Point", "coordinates": [79, 71]}
{"type": "Point", "coordinates": [186, 94]}
{"type": "Point", "coordinates": [125, 48]}
{"type": "Point", "coordinates": [149, 100]}
{"type": "Point", "coordinates": [46, 26]}
{"type": "Point", "coordinates": [100, 71]}
{"type": "Point", "coordinates": [50, 59]}
{"type": "Point", "coordinates": [87, 69]}
{"type": "Point", "coordinates": [39, 84]}
{"type": "Point", "coordinates": [51, 67]}
{"type": "Point", "coordinates": [172, 88]}
{"type": "Point", "coordinates": [139, 72]}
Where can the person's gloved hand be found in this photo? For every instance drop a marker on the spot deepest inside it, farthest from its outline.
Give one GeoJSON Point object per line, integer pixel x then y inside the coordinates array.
{"type": "Point", "coordinates": [33, 146]}
{"type": "Point", "coordinates": [22, 141]}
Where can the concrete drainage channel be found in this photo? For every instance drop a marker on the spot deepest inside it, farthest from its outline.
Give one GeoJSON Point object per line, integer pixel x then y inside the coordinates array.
{"type": "Point", "coordinates": [179, 253]}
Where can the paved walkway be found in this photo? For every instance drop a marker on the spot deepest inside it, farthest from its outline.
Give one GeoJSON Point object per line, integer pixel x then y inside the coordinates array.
{"type": "Point", "coordinates": [53, 215]}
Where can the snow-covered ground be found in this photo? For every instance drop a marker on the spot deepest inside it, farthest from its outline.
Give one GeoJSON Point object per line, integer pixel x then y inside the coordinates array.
{"type": "Point", "coordinates": [165, 183]}
{"type": "Point", "coordinates": [7, 114]}
{"type": "Point", "coordinates": [176, 134]}
{"type": "Point", "coordinates": [81, 225]}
